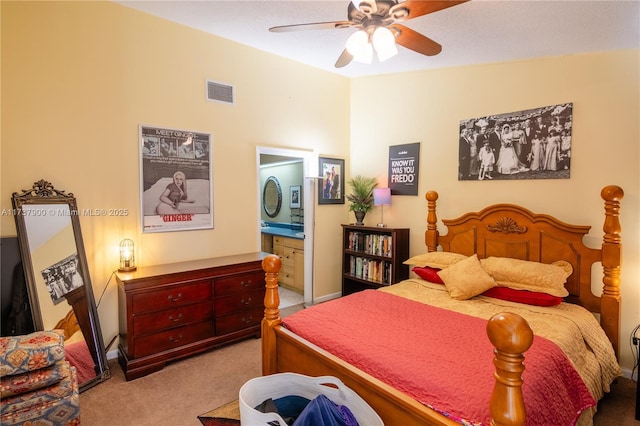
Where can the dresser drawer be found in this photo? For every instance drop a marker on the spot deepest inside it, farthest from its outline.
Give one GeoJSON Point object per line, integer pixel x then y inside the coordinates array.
{"type": "Point", "coordinates": [176, 295]}
{"type": "Point", "coordinates": [170, 339]}
{"type": "Point", "coordinates": [238, 321]}
{"type": "Point", "coordinates": [239, 283]}
{"type": "Point", "coordinates": [173, 317]}
{"type": "Point", "coordinates": [238, 302]}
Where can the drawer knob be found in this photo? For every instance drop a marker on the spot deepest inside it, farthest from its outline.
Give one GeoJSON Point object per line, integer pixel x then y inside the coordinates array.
{"type": "Point", "coordinates": [175, 299]}
{"type": "Point", "coordinates": [174, 319]}
{"type": "Point", "coordinates": [247, 301]}
{"type": "Point", "coordinates": [176, 339]}
{"type": "Point", "coordinates": [247, 320]}
{"type": "Point", "coordinates": [245, 283]}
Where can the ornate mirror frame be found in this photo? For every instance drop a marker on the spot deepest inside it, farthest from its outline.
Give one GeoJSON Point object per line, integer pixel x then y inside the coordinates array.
{"type": "Point", "coordinates": [272, 196]}
{"type": "Point", "coordinates": [55, 268]}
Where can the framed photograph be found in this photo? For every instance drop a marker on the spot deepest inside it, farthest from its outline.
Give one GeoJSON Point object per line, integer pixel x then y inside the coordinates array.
{"type": "Point", "coordinates": [530, 144]}
{"type": "Point", "coordinates": [176, 191]}
{"type": "Point", "coordinates": [331, 186]}
{"type": "Point", "coordinates": [295, 196]}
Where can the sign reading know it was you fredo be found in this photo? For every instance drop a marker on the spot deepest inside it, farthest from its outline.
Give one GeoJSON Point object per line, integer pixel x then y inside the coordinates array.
{"type": "Point", "coordinates": [403, 168]}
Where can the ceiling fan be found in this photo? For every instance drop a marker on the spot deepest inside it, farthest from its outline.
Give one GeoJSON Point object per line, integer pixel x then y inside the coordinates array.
{"type": "Point", "coordinates": [378, 28]}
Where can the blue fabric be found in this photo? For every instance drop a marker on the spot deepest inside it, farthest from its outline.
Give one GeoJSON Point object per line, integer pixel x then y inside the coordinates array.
{"type": "Point", "coordinates": [321, 411]}
{"type": "Point", "coordinates": [290, 406]}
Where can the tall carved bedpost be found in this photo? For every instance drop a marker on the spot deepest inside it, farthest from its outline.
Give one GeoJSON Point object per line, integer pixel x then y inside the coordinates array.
{"type": "Point", "coordinates": [511, 336]}
{"type": "Point", "coordinates": [611, 257]}
{"type": "Point", "coordinates": [271, 265]}
{"type": "Point", "coordinates": [431, 234]}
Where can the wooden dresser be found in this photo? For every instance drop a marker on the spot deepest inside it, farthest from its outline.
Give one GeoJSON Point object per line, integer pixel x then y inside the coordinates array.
{"type": "Point", "coordinates": [171, 311]}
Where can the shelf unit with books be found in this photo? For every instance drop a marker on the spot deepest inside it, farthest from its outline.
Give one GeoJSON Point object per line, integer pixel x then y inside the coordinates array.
{"type": "Point", "coordinates": [372, 257]}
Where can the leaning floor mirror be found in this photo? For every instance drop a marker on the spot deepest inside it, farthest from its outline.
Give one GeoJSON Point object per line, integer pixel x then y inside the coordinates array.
{"type": "Point", "coordinates": [57, 276]}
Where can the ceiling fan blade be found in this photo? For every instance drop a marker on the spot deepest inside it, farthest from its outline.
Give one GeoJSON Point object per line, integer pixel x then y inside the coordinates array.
{"type": "Point", "coordinates": [344, 59]}
{"type": "Point", "coordinates": [415, 41]}
{"type": "Point", "coordinates": [422, 7]}
{"type": "Point", "coordinates": [312, 26]}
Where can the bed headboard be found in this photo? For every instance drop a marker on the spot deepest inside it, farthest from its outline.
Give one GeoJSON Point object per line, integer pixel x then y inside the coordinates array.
{"type": "Point", "coordinates": [508, 230]}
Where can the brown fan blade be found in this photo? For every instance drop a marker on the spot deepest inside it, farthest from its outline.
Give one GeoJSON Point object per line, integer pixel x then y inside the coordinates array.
{"type": "Point", "coordinates": [414, 40]}
{"type": "Point", "coordinates": [312, 26]}
{"type": "Point", "coordinates": [422, 7]}
{"type": "Point", "coordinates": [344, 59]}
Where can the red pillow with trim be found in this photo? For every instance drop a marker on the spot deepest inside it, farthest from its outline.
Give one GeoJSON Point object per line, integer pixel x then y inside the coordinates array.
{"type": "Point", "coordinates": [523, 296]}
{"type": "Point", "coordinates": [428, 273]}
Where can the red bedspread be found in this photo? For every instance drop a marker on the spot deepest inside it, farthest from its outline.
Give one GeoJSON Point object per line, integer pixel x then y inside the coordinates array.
{"type": "Point", "coordinates": [441, 358]}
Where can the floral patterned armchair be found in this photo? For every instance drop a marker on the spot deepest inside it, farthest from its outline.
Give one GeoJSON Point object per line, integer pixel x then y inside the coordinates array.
{"type": "Point", "coordinates": [37, 384]}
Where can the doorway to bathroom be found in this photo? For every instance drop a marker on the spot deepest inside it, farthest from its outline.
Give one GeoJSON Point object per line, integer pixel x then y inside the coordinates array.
{"type": "Point", "coordinates": [286, 202]}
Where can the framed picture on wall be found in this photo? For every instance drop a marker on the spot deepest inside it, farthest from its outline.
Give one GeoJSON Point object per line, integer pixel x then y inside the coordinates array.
{"type": "Point", "coordinates": [331, 186]}
{"type": "Point", "coordinates": [295, 194]}
{"type": "Point", "coordinates": [529, 144]}
{"type": "Point", "coordinates": [175, 179]}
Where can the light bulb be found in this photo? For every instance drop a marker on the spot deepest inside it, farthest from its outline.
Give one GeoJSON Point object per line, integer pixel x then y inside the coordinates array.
{"type": "Point", "coordinates": [359, 47]}
{"type": "Point", "coordinates": [384, 43]}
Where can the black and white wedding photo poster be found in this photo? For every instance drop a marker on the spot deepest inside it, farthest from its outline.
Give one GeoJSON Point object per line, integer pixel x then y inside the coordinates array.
{"type": "Point", "coordinates": [176, 179]}
{"type": "Point", "coordinates": [529, 144]}
{"type": "Point", "coordinates": [404, 162]}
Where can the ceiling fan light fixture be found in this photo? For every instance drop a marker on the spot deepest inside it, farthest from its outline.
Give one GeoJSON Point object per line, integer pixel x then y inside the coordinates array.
{"type": "Point", "coordinates": [384, 43]}
{"type": "Point", "coordinates": [359, 47]}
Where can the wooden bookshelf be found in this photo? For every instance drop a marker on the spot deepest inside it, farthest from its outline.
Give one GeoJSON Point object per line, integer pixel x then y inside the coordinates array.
{"type": "Point", "coordinates": [372, 257]}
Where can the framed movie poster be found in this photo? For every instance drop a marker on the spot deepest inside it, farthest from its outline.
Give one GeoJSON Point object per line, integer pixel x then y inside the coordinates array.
{"type": "Point", "coordinates": [175, 179]}
{"type": "Point", "coordinates": [530, 144]}
{"type": "Point", "coordinates": [404, 162]}
{"type": "Point", "coordinates": [331, 186]}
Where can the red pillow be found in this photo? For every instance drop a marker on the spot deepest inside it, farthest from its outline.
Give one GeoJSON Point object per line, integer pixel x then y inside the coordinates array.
{"type": "Point", "coordinates": [428, 274]}
{"type": "Point", "coordinates": [523, 296]}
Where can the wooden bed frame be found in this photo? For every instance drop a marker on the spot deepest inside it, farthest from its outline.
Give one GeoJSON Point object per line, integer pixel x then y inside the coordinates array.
{"type": "Point", "coordinates": [504, 230]}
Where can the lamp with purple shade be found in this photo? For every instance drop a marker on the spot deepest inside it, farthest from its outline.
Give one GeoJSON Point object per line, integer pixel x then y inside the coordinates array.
{"type": "Point", "coordinates": [381, 197]}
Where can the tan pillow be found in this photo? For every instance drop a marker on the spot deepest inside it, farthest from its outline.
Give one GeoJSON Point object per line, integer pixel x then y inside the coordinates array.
{"type": "Point", "coordinates": [435, 259]}
{"type": "Point", "coordinates": [527, 275]}
{"type": "Point", "coordinates": [466, 278]}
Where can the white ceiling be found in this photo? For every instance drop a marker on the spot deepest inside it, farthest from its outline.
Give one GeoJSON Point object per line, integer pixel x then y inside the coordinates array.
{"type": "Point", "coordinates": [479, 31]}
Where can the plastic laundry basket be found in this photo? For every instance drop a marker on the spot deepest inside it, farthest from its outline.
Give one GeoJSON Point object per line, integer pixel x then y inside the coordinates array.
{"type": "Point", "coordinates": [275, 386]}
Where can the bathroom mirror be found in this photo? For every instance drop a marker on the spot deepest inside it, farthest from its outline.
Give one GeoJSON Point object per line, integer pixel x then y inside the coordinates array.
{"type": "Point", "coordinates": [55, 269]}
{"type": "Point", "coordinates": [272, 196]}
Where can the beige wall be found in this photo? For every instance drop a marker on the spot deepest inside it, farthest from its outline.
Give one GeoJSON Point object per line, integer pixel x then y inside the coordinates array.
{"type": "Point", "coordinates": [427, 107]}
{"type": "Point", "coordinates": [79, 77]}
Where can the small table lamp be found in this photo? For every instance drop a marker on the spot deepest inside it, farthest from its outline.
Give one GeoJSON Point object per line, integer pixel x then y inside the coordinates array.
{"type": "Point", "coordinates": [127, 256]}
{"type": "Point", "coordinates": [381, 197]}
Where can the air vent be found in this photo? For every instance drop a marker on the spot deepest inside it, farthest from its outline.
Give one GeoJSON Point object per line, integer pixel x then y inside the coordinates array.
{"type": "Point", "coordinates": [220, 92]}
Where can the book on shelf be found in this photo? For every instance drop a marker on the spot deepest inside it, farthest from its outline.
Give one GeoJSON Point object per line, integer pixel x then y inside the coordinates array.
{"type": "Point", "coordinates": [370, 269]}
{"type": "Point", "coordinates": [375, 244]}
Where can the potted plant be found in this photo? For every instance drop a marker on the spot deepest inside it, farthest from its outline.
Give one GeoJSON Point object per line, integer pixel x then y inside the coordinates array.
{"type": "Point", "coordinates": [361, 197]}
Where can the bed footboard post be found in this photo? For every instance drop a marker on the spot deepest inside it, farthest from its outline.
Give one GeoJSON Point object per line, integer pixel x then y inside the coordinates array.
{"type": "Point", "coordinates": [611, 259]}
{"type": "Point", "coordinates": [511, 336]}
{"type": "Point", "coordinates": [270, 265]}
{"type": "Point", "coordinates": [431, 234]}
